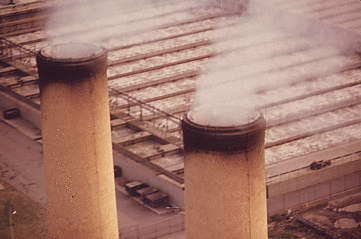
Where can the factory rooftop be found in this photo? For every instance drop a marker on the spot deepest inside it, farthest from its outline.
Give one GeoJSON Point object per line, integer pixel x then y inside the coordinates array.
{"type": "Point", "coordinates": [297, 62]}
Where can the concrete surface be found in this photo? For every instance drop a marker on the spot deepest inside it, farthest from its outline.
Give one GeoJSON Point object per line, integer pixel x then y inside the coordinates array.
{"type": "Point", "coordinates": [21, 162]}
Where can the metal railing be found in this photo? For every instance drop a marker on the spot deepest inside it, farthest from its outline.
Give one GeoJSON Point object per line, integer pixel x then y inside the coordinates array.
{"type": "Point", "coordinates": [12, 52]}
{"type": "Point", "coordinates": [144, 111]}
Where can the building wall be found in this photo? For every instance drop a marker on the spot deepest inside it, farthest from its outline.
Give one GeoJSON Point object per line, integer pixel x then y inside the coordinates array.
{"type": "Point", "coordinates": [134, 171]}
{"type": "Point", "coordinates": [29, 112]}
{"type": "Point", "coordinates": [313, 186]}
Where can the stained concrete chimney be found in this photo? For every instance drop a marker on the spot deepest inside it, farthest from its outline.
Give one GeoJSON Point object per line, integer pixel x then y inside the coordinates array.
{"type": "Point", "coordinates": [77, 148]}
{"type": "Point", "coordinates": [224, 169]}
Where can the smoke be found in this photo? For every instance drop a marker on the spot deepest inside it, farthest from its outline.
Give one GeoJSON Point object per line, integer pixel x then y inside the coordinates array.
{"type": "Point", "coordinates": [268, 48]}
{"type": "Point", "coordinates": [264, 48]}
{"type": "Point", "coordinates": [96, 21]}
{"type": "Point", "coordinates": [90, 20]}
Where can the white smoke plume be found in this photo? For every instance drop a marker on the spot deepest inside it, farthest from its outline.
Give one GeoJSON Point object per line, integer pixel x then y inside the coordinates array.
{"type": "Point", "coordinates": [250, 55]}
{"type": "Point", "coordinates": [94, 21]}
{"type": "Point", "coordinates": [249, 52]}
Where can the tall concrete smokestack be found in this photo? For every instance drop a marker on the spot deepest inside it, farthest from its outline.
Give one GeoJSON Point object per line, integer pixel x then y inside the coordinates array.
{"type": "Point", "coordinates": [225, 188]}
{"type": "Point", "coordinates": [79, 177]}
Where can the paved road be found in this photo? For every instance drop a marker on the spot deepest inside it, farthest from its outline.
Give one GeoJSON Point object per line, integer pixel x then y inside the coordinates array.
{"type": "Point", "coordinates": [21, 162]}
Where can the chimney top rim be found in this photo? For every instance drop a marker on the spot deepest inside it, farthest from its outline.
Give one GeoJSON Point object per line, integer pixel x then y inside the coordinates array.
{"type": "Point", "coordinates": [72, 51]}
{"type": "Point", "coordinates": [222, 115]}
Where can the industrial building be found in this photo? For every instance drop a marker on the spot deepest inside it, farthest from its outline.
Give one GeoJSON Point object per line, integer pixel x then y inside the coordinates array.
{"type": "Point", "coordinates": [300, 59]}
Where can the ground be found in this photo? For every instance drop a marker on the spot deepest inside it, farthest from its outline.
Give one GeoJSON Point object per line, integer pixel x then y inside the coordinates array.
{"type": "Point", "coordinates": [327, 215]}
{"type": "Point", "coordinates": [21, 165]}
{"type": "Point", "coordinates": [29, 218]}
{"type": "Point", "coordinates": [26, 216]}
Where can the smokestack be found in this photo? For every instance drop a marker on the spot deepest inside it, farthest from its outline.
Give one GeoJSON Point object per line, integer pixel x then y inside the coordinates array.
{"type": "Point", "coordinates": [79, 177]}
{"type": "Point", "coordinates": [225, 188]}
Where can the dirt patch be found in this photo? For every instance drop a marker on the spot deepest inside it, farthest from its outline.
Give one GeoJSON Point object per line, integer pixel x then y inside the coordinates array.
{"type": "Point", "coordinates": [319, 219]}
{"type": "Point", "coordinates": [346, 224]}
{"type": "Point", "coordinates": [330, 217]}
{"type": "Point", "coordinates": [290, 228]}
{"type": "Point", "coordinates": [20, 215]}
{"type": "Point", "coordinates": [346, 201]}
